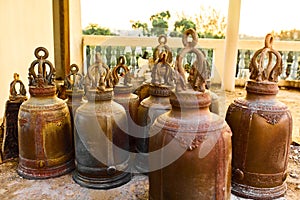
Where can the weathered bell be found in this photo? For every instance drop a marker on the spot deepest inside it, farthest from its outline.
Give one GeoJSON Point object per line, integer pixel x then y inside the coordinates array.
{"type": "Point", "coordinates": [157, 103]}
{"type": "Point", "coordinates": [73, 85]}
{"type": "Point", "coordinates": [101, 142]}
{"type": "Point", "coordinates": [9, 147]}
{"type": "Point", "coordinates": [45, 136]}
{"type": "Point", "coordinates": [124, 96]}
{"type": "Point", "coordinates": [262, 128]}
{"type": "Point", "coordinates": [190, 147]}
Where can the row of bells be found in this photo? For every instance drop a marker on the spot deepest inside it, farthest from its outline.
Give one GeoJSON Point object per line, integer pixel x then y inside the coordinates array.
{"type": "Point", "coordinates": [194, 143]}
{"type": "Point", "coordinates": [187, 151]}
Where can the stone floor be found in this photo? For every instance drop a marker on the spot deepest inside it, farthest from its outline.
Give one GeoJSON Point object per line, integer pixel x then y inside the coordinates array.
{"type": "Point", "coordinates": [14, 187]}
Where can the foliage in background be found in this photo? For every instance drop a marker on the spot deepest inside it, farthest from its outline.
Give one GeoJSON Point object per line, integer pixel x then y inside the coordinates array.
{"type": "Point", "coordinates": [143, 26]}
{"type": "Point", "coordinates": [208, 24]}
{"type": "Point", "coordinates": [159, 23]}
{"type": "Point", "coordinates": [287, 35]}
{"type": "Point", "coordinates": [95, 29]}
{"type": "Point", "coordinates": [182, 25]}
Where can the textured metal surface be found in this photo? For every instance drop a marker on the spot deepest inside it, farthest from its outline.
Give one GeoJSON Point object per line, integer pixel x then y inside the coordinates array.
{"type": "Point", "coordinates": [262, 131]}
{"type": "Point", "coordinates": [45, 138]}
{"type": "Point", "coordinates": [194, 144]}
{"type": "Point", "coordinates": [124, 96]}
{"type": "Point", "coordinates": [157, 103]}
{"type": "Point", "coordinates": [9, 147]}
{"type": "Point", "coordinates": [101, 142]}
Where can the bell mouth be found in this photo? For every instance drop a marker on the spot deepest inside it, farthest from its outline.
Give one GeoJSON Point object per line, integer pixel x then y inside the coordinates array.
{"type": "Point", "coordinates": [96, 95]}
{"type": "Point", "coordinates": [190, 99]}
{"type": "Point", "coordinates": [263, 87]}
{"type": "Point", "coordinates": [42, 91]}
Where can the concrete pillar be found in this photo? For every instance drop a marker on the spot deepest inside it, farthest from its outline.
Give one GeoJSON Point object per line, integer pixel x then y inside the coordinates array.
{"type": "Point", "coordinates": [231, 43]}
{"type": "Point", "coordinates": [61, 27]}
{"type": "Point", "coordinates": [67, 35]}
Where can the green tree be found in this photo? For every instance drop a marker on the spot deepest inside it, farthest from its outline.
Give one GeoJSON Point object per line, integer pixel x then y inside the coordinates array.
{"type": "Point", "coordinates": [159, 24]}
{"type": "Point", "coordinates": [182, 25]}
{"type": "Point", "coordinates": [143, 26]}
{"type": "Point", "coordinates": [95, 29]}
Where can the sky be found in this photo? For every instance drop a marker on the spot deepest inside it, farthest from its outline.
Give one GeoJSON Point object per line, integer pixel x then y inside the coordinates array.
{"type": "Point", "coordinates": [257, 17]}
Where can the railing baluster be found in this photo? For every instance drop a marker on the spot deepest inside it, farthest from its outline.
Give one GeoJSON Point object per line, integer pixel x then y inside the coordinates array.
{"type": "Point", "coordinates": [103, 55]}
{"type": "Point", "coordinates": [284, 65]}
{"type": "Point", "coordinates": [128, 53]}
{"type": "Point", "coordinates": [133, 61]}
{"type": "Point", "coordinates": [241, 65]}
{"type": "Point", "coordinates": [214, 50]}
{"type": "Point", "coordinates": [294, 67]}
{"type": "Point", "coordinates": [93, 53]}
{"type": "Point", "coordinates": [113, 58]}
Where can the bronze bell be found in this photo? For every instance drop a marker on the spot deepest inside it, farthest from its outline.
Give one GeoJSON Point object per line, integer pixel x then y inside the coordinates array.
{"type": "Point", "coordinates": [190, 147]}
{"type": "Point", "coordinates": [9, 147]}
{"type": "Point", "coordinates": [162, 81]}
{"type": "Point", "coordinates": [45, 136]}
{"type": "Point", "coordinates": [262, 128]}
{"type": "Point", "coordinates": [101, 142]}
{"type": "Point", "coordinates": [73, 85]}
{"type": "Point", "coordinates": [124, 96]}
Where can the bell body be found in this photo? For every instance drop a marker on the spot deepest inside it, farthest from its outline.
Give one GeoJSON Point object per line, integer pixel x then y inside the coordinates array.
{"type": "Point", "coordinates": [149, 109]}
{"type": "Point", "coordinates": [194, 145]}
{"type": "Point", "coordinates": [45, 137]}
{"type": "Point", "coordinates": [130, 102]}
{"type": "Point", "coordinates": [262, 128]}
{"type": "Point", "coordinates": [101, 143]}
{"type": "Point", "coordinates": [10, 147]}
{"type": "Point", "coordinates": [74, 100]}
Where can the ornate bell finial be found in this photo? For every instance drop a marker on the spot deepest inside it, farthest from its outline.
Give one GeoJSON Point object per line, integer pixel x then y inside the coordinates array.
{"type": "Point", "coordinates": [125, 74]}
{"type": "Point", "coordinates": [199, 72]}
{"type": "Point", "coordinates": [74, 80]}
{"type": "Point", "coordinates": [14, 94]}
{"type": "Point", "coordinates": [162, 71]}
{"type": "Point", "coordinates": [162, 47]}
{"type": "Point", "coordinates": [258, 71]}
{"type": "Point", "coordinates": [99, 76]}
{"type": "Point", "coordinates": [45, 76]}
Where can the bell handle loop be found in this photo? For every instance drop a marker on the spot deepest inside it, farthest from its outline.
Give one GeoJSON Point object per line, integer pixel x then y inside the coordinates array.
{"type": "Point", "coordinates": [200, 66]}
{"type": "Point", "coordinates": [256, 67]}
{"type": "Point", "coordinates": [41, 49]}
{"type": "Point", "coordinates": [194, 41]}
{"type": "Point", "coordinates": [70, 79]}
{"type": "Point", "coordinates": [42, 76]}
{"type": "Point", "coordinates": [116, 69]}
{"type": "Point", "coordinates": [162, 39]}
{"type": "Point", "coordinates": [74, 69]}
{"type": "Point", "coordinates": [269, 41]}
{"type": "Point", "coordinates": [122, 60]}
